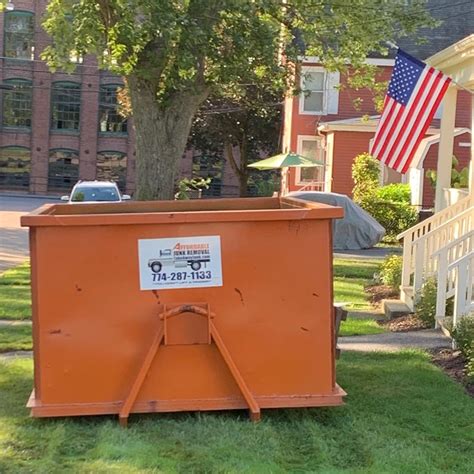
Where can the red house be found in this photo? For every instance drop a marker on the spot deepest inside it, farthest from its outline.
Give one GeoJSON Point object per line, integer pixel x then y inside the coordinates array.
{"type": "Point", "coordinates": [324, 122]}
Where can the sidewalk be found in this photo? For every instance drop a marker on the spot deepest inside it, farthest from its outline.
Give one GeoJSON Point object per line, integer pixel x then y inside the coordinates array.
{"type": "Point", "coordinates": [395, 341]}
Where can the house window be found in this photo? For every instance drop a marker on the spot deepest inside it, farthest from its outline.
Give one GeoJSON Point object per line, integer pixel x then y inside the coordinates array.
{"type": "Point", "coordinates": [15, 165]}
{"type": "Point", "coordinates": [63, 170]}
{"type": "Point", "coordinates": [310, 147]}
{"type": "Point", "coordinates": [110, 121]}
{"type": "Point", "coordinates": [65, 106]}
{"type": "Point", "coordinates": [17, 104]}
{"type": "Point", "coordinates": [112, 166]}
{"type": "Point", "coordinates": [312, 99]}
{"type": "Point", "coordinates": [19, 35]}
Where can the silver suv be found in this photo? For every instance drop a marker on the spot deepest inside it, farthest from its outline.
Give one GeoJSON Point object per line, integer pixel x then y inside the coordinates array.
{"type": "Point", "coordinates": [95, 191]}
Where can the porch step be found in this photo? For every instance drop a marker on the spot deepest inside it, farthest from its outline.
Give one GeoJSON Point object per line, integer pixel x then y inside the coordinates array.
{"type": "Point", "coordinates": [395, 308]}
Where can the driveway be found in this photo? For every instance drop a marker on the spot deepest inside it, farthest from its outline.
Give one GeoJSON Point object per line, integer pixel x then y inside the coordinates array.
{"type": "Point", "coordinates": [14, 248]}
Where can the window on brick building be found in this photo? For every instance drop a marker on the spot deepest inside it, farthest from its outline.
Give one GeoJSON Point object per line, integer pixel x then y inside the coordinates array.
{"type": "Point", "coordinates": [63, 169]}
{"type": "Point", "coordinates": [112, 166]}
{"type": "Point", "coordinates": [65, 106]}
{"type": "Point", "coordinates": [110, 121]}
{"type": "Point", "coordinates": [19, 35]}
{"type": "Point", "coordinates": [15, 165]}
{"type": "Point", "coordinates": [17, 104]}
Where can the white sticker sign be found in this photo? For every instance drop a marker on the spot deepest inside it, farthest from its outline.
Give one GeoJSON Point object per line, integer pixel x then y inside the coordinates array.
{"type": "Point", "coordinates": [180, 262]}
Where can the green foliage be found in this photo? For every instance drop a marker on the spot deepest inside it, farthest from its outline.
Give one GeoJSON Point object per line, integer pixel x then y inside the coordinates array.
{"type": "Point", "coordinates": [389, 205]}
{"type": "Point", "coordinates": [174, 54]}
{"type": "Point", "coordinates": [391, 271]}
{"type": "Point", "coordinates": [396, 192]}
{"type": "Point", "coordinates": [463, 335]}
{"type": "Point", "coordinates": [425, 303]}
{"type": "Point", "coordinates": [15, 293]}
{"type": "Point", "coordinates": [459, 179]}
{"type": "Point", "coordinates": [187, 187]}
{"type": "Point", "coordinates": [365, 174]}
{"type": "Point", "coordinates": [395, 217]}
{"type": "Point", "coordinates": [251, 126]}
{"type": "Point", "coordinates": [15, 338]}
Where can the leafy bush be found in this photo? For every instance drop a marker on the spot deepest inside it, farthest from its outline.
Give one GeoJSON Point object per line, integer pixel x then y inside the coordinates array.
{"type": "Point", "coordinates": [463, 334]}
{"type": "Point", "coordinates": [365, 173]}
{"type": "Point", "coordinates": [391, 271]}
{"type": "Point", "coordinates": [459, 179]}
{"type": "Point", "coordinates": [396, 192]}
{"type": "Point", "coordinates": [425, 305]}
{"type": "Point", "coordinates": [187, 187]}
{"type": "Point", "coordinates": [389, 205]}
{"type": "Point", "coordinates": [394, 217]}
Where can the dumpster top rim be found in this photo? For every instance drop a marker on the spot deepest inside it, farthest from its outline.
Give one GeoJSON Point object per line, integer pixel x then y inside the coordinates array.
{"type": "Point", "coordinates": [165, 212]}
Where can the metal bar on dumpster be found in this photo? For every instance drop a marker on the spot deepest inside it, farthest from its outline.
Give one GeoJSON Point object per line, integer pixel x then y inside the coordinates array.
{"type": "Point", "coordinates": [249, 398]}
{"type": "Point", "coordinates": [132, 395]}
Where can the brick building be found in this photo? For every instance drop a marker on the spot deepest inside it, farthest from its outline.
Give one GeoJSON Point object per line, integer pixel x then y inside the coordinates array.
{"type": "Point", "coordinates": [57, 128]}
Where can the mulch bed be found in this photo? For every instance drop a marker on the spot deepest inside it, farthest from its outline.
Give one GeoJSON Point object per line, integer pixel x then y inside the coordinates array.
{"type": "Point", "coordinates": [404, 324]}
{"type": "Point", "coordinates": [377, 293]}
{"type": "Point", "coordinates": [454, 365]}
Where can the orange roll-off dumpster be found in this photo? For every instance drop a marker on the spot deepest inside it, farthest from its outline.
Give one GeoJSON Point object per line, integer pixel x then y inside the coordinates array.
{"type": "Point", "coordinates": [182, 305]}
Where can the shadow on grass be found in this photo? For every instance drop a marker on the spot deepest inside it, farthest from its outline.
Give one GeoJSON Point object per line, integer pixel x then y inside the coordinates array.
{"type": "Point", "coordinates": [401, 413]}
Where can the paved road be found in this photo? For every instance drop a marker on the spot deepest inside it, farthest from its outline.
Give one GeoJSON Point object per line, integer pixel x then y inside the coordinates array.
{"type": "Point", "coordinates": [13, 238]}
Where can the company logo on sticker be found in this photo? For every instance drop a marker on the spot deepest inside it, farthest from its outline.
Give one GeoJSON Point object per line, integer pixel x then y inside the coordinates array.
{"type": "Point", "coordinates": [181, 262]}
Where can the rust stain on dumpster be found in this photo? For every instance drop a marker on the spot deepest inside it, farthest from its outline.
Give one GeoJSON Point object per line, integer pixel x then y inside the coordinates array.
{"type": "Point", "coordinates": [189, 346]}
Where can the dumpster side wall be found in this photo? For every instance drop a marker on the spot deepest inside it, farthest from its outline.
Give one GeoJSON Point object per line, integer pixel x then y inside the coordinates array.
{"type": "Point", "coordinates": [94, 326]}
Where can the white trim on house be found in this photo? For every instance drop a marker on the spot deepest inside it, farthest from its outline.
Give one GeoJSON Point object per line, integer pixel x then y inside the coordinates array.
{"type": "Point", "coordinates": [358, 124]}
{"type": "Point", "coordinates": [299, 148]}
{"type": "Point", "coordinates": [371, 61]}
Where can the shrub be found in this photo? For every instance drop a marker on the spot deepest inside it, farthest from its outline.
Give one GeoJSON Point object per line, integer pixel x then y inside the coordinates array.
{"type": "Point", "coordinates": [463, 335]}
{"type": "Point", "coordinates": [396, 192]}
{"type": "Point", "coordinates": [187, 187]}
{"type": "Point", "coordinates": [391, 271]}
{"type": "Point", "coordinates": [365, 173]}
{"type": "Point", "coordinates": [394, 217]}
{"type": "Point", "coordinates": [425, 306]}
{"type": "Point", "coordinates": [388, 205]}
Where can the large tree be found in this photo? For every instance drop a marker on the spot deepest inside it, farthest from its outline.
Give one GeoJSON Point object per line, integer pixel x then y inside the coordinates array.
{"type": "Point", "coordinates": [174, 53]}
{"type": "Point", "coordinates": [239, 128]}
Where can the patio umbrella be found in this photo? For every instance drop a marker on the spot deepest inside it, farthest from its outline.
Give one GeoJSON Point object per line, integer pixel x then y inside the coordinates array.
{"type": "Point", "coordinates": [286, 160]}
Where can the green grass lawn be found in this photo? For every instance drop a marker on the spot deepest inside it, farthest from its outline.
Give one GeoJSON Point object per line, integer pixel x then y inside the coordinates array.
{"type": "Point", "coordinates": [15, 293]}
{"type": "Point", "coordinates": [350, 278]}
{"type": "Point", "coordinates": [360, 327]}
{"type": "Point", "coordinates": [15, 338]}
{"type": "Point", "coordinates": [402, 415]}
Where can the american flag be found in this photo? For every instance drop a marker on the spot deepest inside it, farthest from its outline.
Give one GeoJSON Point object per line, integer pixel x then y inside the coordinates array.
{"type": "Point", "coordinates": [414, 93]}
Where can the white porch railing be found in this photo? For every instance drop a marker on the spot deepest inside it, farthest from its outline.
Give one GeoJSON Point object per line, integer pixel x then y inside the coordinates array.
{"type": "Point", "coordinates": [313, 186]}
{"type": "Point", "coordinates": [450, 274]}
{"type": "Point", "coordinates": [423, 240]}
{"type": "Point", "coordinates": [429, 244]}
{"type": "Point", "coordinates": [457, 281]}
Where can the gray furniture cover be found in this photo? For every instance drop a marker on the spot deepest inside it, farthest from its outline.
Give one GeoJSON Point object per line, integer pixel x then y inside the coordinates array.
{"type": "Point", "coordinates": [357, 230]}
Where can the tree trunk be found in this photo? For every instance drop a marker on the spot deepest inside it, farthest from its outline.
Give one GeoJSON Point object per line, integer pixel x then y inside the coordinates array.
{"type": "Point", "coordinates": [161, 136]}
{"type": "Point", "coordinates": [240, 171]}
